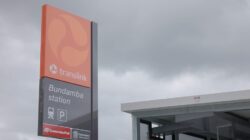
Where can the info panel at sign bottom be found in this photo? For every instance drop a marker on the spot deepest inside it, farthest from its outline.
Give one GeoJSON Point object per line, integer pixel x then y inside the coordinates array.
{"type": "Point", "coordinates": [66, 104]}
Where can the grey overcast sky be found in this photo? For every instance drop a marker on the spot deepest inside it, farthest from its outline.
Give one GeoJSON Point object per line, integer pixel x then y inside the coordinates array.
{"type": "Point", "coordinates": [148, 49]}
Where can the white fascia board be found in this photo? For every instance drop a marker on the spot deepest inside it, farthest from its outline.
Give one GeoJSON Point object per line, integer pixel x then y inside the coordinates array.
{"type": "Point", "coordinates": [200, 100]}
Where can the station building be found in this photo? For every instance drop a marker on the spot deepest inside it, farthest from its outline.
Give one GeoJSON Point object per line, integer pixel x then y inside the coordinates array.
{"type": "Point", "coordinates": [221, 116]}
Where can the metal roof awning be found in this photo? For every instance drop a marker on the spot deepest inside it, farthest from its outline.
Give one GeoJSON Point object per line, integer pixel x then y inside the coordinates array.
{"type": "Point", "coordinates": [228, 101]}
{"type": "Point", "coordinates": [200, 115]}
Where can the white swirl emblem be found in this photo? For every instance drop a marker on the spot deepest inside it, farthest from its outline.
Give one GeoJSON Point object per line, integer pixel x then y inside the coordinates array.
{"type": "Point", "coordinates": [53, 69]}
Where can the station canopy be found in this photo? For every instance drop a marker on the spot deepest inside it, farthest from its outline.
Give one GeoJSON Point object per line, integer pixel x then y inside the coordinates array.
{"type": "Point", "coordinates": [221, 116]}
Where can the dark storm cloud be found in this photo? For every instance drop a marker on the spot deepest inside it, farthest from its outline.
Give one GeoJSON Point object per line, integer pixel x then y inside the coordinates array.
{"type": "Point", "coordinates": [28, 12]}
{"type": "Point", "coordinates": [19, 57]}
{"type": "Point", "coordinates": [161, 37]}
{"type": "Point", "coordinates": [170, 37]}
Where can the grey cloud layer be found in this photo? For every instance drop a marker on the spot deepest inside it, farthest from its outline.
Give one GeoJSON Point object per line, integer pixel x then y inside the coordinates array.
{"type": "Point", "coordinates": [169, 37]}
{"type": "Point", "coordinates": [200, 46]}
{"type": "Point", "coordinates": [162, 37]}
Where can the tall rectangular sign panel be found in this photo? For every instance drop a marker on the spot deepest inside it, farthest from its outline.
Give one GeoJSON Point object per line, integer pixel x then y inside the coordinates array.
{"type": "Point", "coordinates": [68, 76]}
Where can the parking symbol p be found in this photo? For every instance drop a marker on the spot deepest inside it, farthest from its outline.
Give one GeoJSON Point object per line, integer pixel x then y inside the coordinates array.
{"type": "Point", "coordinates": [62, 115]}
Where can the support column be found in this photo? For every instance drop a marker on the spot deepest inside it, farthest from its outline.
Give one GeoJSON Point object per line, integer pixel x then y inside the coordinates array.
{"type": "Point", "coordinates": [135, 128]}
{"type": "Point", "coordinates": [233, 131]}
{"type": "Point", "coordinates": [175, 136]}
{"type": "Point", "coordinates": [206, 124]}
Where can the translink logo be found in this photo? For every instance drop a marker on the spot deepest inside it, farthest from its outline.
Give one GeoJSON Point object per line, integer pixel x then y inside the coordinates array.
{"type": "Point", "coordinates": [53, 69]}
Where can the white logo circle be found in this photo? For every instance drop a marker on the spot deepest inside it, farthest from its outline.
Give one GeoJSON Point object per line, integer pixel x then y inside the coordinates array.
{"type": "Point", "coordinates": [46, 130]}
{"type": "Point", "coordinates": [53, 69]}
